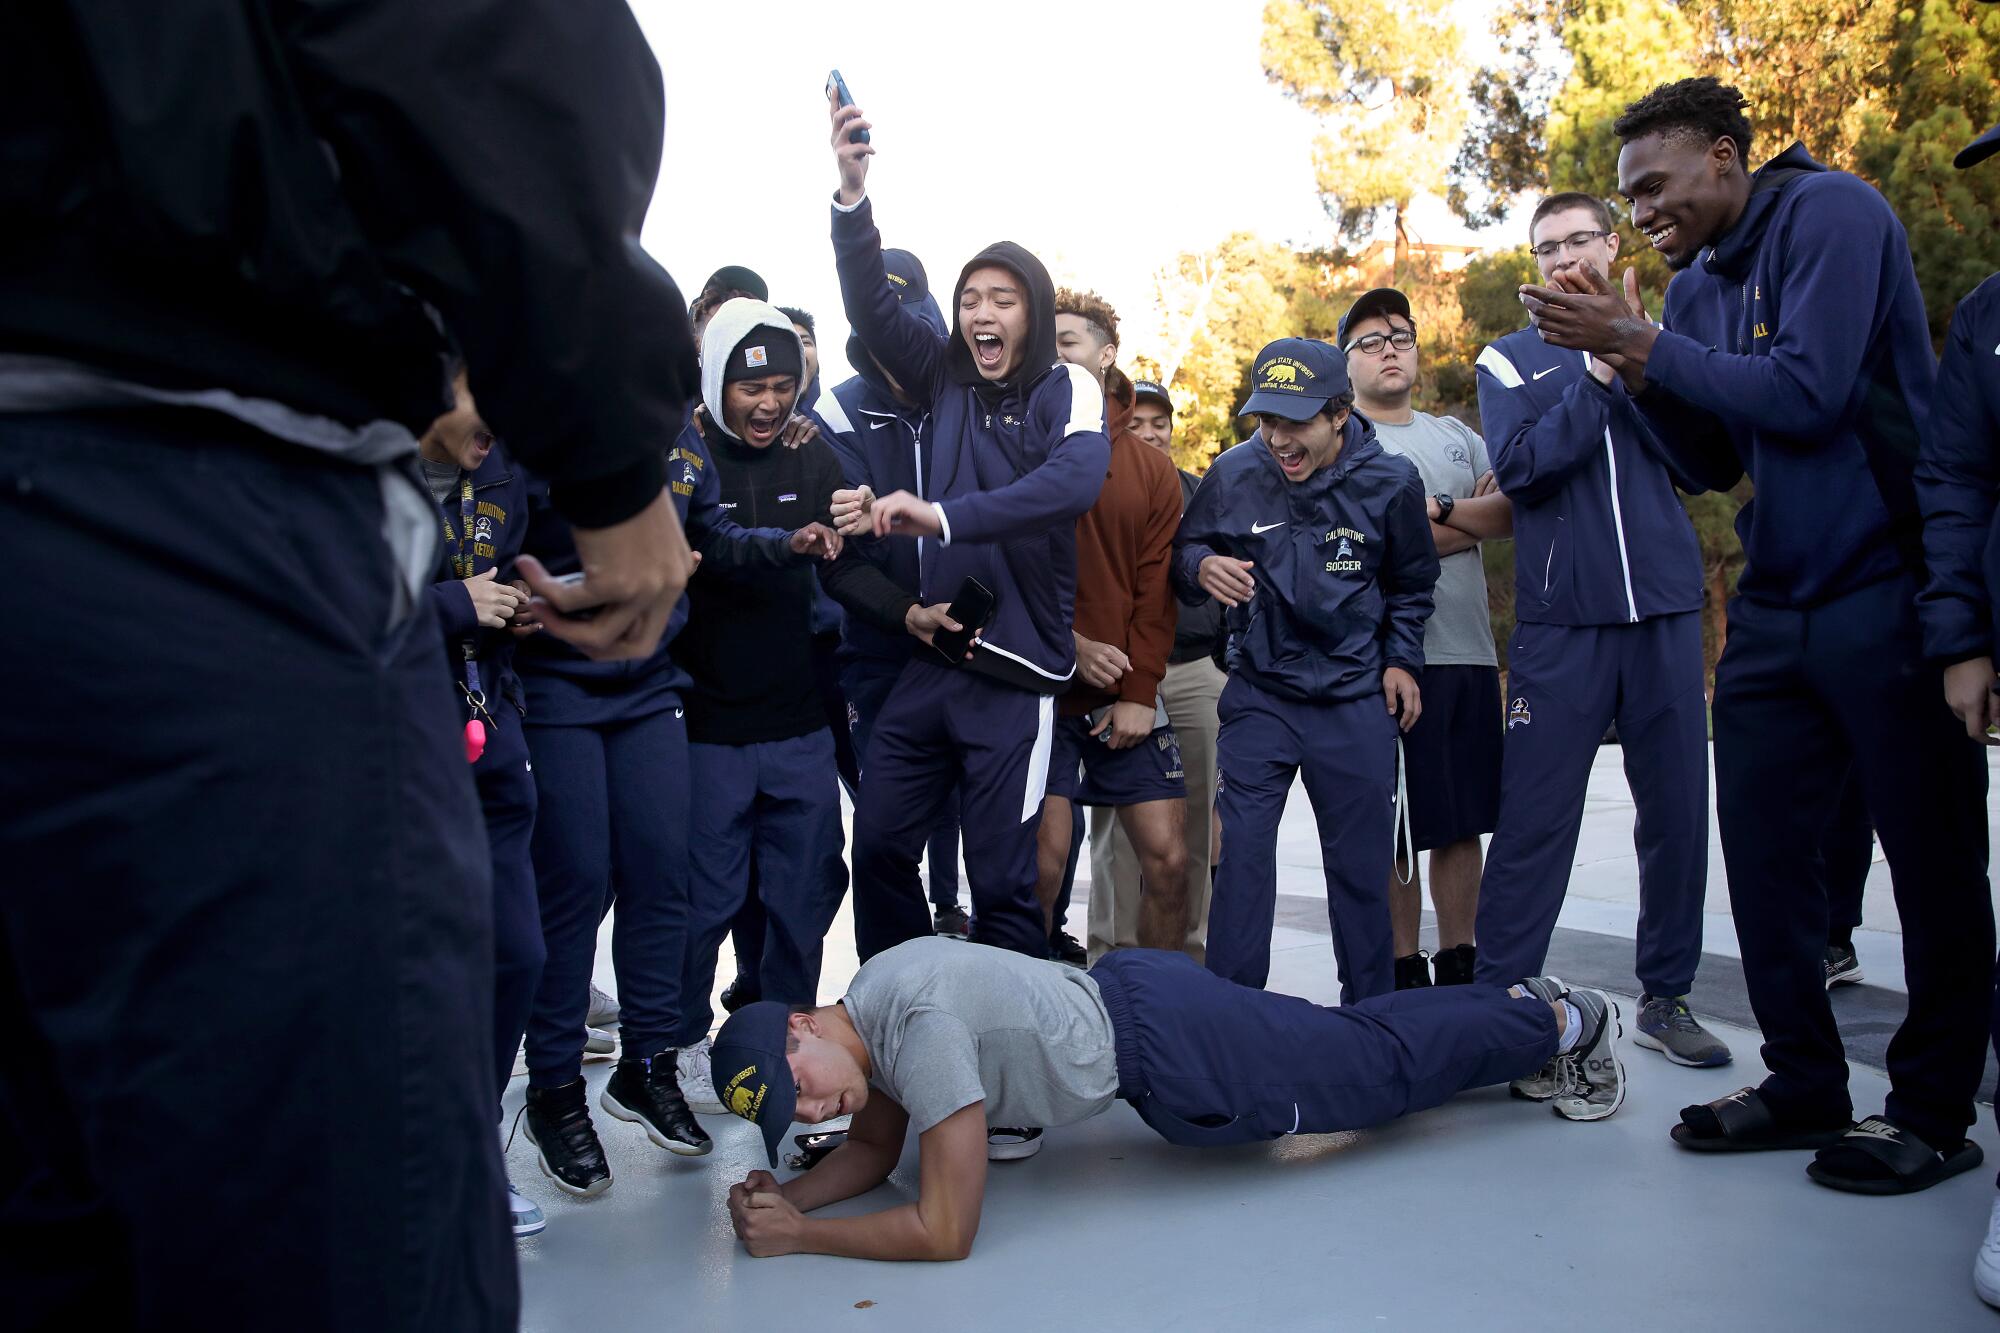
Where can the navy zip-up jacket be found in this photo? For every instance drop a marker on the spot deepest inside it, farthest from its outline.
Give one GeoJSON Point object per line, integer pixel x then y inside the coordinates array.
{"type": "Point", "coordinates": [564, 687]}
{"type": "Point", "coordinates": [499, 526]}
{"type": "Point", "coordinates": [1958, 482]}
{"type": "Point", "coordinates": [1599, 536]}
{"type": "Point", "coordinates": [1013, 464]}
{"type": "Point", "coordinates": [1343, 561]}
{"type": "Point", "coordinates": [1796, 350]}
{"type": "Point", "coordinates": [880, 443]}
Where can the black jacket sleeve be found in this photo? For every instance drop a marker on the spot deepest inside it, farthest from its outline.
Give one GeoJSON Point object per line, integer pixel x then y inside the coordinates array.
{"type": "Point", "coordinates": [500, 156]}
{"type": "Point", "coordinates": [851, 579]}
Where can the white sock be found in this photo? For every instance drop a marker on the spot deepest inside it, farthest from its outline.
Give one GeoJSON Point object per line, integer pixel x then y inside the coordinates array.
{"type": "Point", "coordinates": [1572, 1029]}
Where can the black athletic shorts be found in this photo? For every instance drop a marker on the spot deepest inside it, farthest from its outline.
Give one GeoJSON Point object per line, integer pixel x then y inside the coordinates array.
{"type": "Point", "coordinates": [1452, 756]}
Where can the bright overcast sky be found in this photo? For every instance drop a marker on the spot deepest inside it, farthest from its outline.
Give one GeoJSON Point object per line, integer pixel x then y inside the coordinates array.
{"type": "Point", "coordinates": [1107, 136]}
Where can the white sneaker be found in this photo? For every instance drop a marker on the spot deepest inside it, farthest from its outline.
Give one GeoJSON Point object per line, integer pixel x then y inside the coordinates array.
{"type": "Point", "coordinates": [1011, 1145]}
{"type": "Point", "coordinates": [603, 1009]}
{"type": "Point", "coordinates": [599, 1045]}
{"type": "Point", "coordinates": [528, 1219]}
{"type": "Point", "coordinates": [1986, 1264]}
{"type": "Point", "coordinates": [697, 1080]}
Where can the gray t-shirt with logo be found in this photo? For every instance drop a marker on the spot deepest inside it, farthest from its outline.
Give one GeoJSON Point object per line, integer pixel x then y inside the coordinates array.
{"type": "Point", "coordinates": [1451, 458]}
{"type": "Point", "coordinates": [947, 1024]}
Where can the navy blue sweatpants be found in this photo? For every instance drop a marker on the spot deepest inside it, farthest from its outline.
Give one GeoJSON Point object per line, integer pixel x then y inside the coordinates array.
{"type": "Point", "coordinates": [774, 806]}
{"type": "Point", "coordinates": [867, 682]}
{"type": "Point", "coordinates": [1801, 699]}
{"type": "Point", "coordinates": [1347, 754]}
{"type": "Point", "coordinates": [1565, 686]}
{"type": "Point", "coordinates": [944, 728]}
{"type": "Point", "coordinates": [1208, 1063]}
{"type": "Point", "coordinates": [613, 820]}
{"type": "Point", "coordinates": [507, 799]}
{"type": "Point", "coordinates": [246, 939]}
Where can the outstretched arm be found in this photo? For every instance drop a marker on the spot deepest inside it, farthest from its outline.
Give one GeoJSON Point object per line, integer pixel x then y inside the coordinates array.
{"type": "Point", "coordinates": [939, 1225]}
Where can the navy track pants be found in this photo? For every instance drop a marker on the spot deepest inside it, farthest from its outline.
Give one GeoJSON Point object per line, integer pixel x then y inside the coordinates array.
{"type": "Point", "coordinates": [1803, 698]}
{"type": "Point", "coordinates": [246, 926]}
{"type": "Point", "coordinates": [1206, 1062]}
{"type": "Point", "coordinates": [944, 728]}
{"type": "Point", "coordinates": [1347, 754]}
{"type": "Point", "coordinates": [867, 682]}
{"type": "Point", "coordinates": [506, 786]}
{"type": "Point", "coordinates": [1565, 686]}
{"type": "Point", "coordinates": [612, 828]}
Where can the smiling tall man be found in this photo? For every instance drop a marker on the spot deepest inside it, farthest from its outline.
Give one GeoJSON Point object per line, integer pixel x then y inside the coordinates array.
{"type": "Point", "coordinates": [1018, 452]}
{"type": "Point", "coordinates": [1317, 541]}
{"type": "Point", "coordinates": [1794, 349]}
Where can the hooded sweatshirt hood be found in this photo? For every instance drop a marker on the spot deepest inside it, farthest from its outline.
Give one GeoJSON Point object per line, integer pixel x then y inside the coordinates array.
{"type": "Point", "coordinates": [729, 326]}
{"type": "Point", "coordinates": [1731, 255]}
{"type": "Point", "coordinates": [1040, 352]}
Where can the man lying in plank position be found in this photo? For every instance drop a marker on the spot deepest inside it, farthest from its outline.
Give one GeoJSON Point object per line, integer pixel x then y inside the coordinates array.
{"type": "Point", "coordinates": [947, 1037]}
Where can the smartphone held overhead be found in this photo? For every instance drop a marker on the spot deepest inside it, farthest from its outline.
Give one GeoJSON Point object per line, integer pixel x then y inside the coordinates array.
{"type": "Point", "coordinates": [836, 87]}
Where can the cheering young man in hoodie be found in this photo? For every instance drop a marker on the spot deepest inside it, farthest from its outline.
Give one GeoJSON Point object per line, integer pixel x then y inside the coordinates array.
{"type": "Point", "coordinates": [1794, 348]}
{"type": "Point", "coordinates": [1018, 452]}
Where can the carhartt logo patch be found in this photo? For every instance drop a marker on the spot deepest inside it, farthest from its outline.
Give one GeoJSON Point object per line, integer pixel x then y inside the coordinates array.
{"type": "Point", "coordinates": [755, 356]}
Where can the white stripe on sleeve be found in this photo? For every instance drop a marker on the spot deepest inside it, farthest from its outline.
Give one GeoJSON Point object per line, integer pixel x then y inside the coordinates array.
{"type": "Point", "coordinates": [1499, 366]}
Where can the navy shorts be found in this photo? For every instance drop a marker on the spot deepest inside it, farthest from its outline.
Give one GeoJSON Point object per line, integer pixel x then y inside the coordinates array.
{"type": "Point", "coordinates": [1452, 756]}
{"type": "Point", "coordinates": [1082, 768]}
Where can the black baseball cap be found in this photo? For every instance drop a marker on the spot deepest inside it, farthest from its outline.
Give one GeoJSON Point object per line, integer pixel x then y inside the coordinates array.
{"type": "Point", "coordinates": [752, 1076]}
{"type": "Point", "coordinates": [1381, 301]}
{"type": "Point", "coordinates": [1295, 378]}
{"type": "Point", "coordinates": [1154, 390]}
{"type": "Point", "coordinates": [736, 278]}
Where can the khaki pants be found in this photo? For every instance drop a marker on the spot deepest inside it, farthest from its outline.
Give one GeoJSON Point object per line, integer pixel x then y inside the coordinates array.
{"type": "Point", "coordinates": [1190, 691]}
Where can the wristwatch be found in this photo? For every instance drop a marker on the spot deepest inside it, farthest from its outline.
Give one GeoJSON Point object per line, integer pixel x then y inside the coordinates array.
{"type": "Point", "coordinates": [1445, 503]}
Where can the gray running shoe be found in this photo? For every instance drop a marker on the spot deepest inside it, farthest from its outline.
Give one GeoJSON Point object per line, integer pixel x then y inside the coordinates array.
{"type": "Point", "coordinates": [603, 1010]}
{"type": "Point", "coordinates": [1595, 1075]}
{"type": "Point", "coordinates": [1668, 1026]}
{"type": "Point", "coordinates": [1843, 968]}
{"type": "Point", "coordinates": [1549, 1080]}
{"type": "Point", "coordinates": [599, 1045]}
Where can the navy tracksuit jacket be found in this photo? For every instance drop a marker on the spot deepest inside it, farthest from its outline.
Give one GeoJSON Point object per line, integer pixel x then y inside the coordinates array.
{"type": "Point", "coordinates": [1012, 466]}
{"type": "Point", "coordinates": [1607, 604]}
{"type": "Point", "coordinates": [485, 522]}
{"type": "Point", "coordinates": [609, 741]}
{"type": "Point", "coordinates": [1344, 566]}
{"type": "Point", "coordinates": [1796, 349]}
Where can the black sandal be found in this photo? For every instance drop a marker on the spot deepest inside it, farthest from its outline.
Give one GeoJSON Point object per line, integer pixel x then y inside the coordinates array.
{"type": "Point", "coordinates": [1878, 1156]}
{"type": "Point", "coordinates": [1744, 1122]}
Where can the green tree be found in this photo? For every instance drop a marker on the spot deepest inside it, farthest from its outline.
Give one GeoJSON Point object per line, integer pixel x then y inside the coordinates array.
{"type": "Point", "coordinates": [1388, 82]}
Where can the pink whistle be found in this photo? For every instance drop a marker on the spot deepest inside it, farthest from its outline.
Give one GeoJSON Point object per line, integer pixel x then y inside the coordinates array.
{"type": "Point", "coordinates": [475, 740]}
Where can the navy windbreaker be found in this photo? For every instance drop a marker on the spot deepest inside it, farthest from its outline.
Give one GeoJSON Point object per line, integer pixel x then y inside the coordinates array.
{"type": "Point", "coordinates": [1343, 561]}
{"type": "Point", "coordinates": [1013, 466]}
{"type": "Point", "coordinates": [499, 524]}
{"type": "Point", "coordinates": [1958, 480]}
{"type": "Point", "coordinates": [1796, 349]}
{"type": "Point", "coordinates": [1599, 536]}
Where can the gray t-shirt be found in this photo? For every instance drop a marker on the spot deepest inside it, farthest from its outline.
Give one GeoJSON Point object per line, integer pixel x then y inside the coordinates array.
{"type": "Point", "coordinates": [1450, 457]}
{"type": "Point", "coordinates": [948, 1024]}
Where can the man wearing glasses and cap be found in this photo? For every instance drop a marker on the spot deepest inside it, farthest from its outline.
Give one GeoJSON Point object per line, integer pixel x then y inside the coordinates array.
{"type": "Point", "coordinates": [941, 1038]}
{"type": "Point", "coordinates": [1318, 543]}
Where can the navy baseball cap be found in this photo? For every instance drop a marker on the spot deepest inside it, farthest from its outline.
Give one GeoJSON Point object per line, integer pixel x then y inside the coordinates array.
{"type": "Point", "coordinates": [1295, 378]}
{"type": "Point", "coordinates": [906, 275]}
{"type": "Point", "coordinates": [1985, 146]}
{"type": "Point", "coordinates": [736, 278]}
{"type": "Point", "coordinates": [1154, 390]}
{"type": "Point", "coordinates": [1381, 301]}
{"type": "Point", "coordinates": [752, 1076]}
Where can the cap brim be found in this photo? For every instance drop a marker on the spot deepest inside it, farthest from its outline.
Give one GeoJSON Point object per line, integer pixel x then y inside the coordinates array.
{"type": "Point", "coordinates": [1146, 396]}
{"type": "Point", "coordinates": [1985, 146]}
{"type": "Point", "coordinates": [781, 1103]}
{"type": "Point", "coordinates": [1290, 406]}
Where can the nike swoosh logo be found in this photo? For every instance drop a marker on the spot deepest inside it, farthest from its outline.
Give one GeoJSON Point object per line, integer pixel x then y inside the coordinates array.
{"type": "Point", "coordinates": [877, 425]}
{"type": "Point", "coordinates": [1550, 371]}
{"type": "Point", "coordinates": [1266, 527]}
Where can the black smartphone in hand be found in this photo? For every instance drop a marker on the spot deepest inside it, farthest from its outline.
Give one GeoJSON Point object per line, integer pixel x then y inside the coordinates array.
{"type": "Point", "coordinates": [837, 86]}
{"type": "Point", "coordinates": [971, 608]}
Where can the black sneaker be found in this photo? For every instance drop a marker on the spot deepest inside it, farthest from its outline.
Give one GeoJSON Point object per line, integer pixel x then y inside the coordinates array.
{"type": "Point", "coordinates": [1066, 948]}
{"type": "Point", "coordinates": [737, 994]}
{"type": "Point", "coordinates": [565, 1140]}
{"type": "Point", "coordinates": [1455, 966]}
{"type": "Point", "coordinates": [648, 1093]}
{"type": "Point", "coordinates": [1413, 971]}
{"type": "Point", "coordinates": [1843, 967]}
{"type": "Point", "coordinates": [954, 922]}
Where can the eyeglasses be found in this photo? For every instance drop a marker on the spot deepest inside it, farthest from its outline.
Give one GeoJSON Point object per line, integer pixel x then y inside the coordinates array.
{"type": "Point", "coordinates": [1370, 344]}
{"type": "Point", "coordinates": [1576, 240]}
